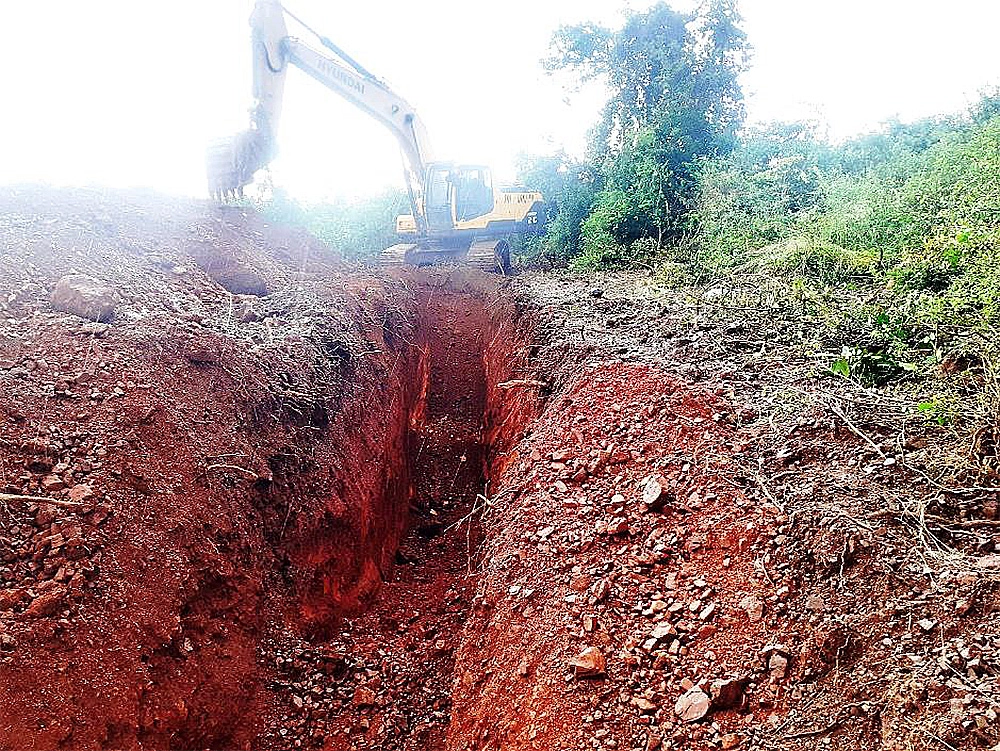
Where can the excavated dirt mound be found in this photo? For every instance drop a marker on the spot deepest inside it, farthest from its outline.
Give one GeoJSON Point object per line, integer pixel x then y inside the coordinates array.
{"type": "Point", "coordinates": [252, 498]}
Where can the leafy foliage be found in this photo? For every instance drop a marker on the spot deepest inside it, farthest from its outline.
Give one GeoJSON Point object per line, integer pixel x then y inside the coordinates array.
{"type": "Point", "coordinates": [358, 229]}
{"type": "Point", "coordinates": [570, 186]}
{"type": "Point", "coordinates": [675, 99]}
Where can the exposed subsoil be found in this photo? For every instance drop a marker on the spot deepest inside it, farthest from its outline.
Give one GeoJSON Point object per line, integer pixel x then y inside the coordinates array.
{"type": "Point", "coordinates": [274, 502]}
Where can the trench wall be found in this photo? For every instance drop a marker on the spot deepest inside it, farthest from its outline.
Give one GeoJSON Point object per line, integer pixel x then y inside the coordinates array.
{"type": "Point", "coordinates": [229, 491]}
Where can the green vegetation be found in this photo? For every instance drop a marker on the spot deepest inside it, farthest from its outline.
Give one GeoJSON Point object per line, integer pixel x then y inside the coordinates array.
{"type": "Point", "coordinates": [888, 245]}
{"type": "Point", "coordinates": [358, 229]}
{"type": "Point", "coordinates": [675, 100]}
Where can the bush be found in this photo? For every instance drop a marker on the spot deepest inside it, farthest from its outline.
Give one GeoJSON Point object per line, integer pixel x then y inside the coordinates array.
{"type": "Point", "coordinates": [814, 260]}
{"type": "Point", "coordinates": [357, 229]}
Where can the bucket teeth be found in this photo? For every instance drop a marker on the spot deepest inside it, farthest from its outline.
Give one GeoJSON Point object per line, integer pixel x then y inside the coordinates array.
{"type": "Point", "coordinates": [231, 163]}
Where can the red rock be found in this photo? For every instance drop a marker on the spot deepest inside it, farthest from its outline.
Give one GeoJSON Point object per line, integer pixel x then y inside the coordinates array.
{"type": "Point", "coordinates": [11, 598]}
{"type": "Point", "coordinates": [643, 704]}
{"type": "Point", "coordinates": [728, 693]}
{"type": "Point", "coordinates": [52, 483]}
{"type": "Point", "coordinates": [45, 515]}
{"type": "Point", "coordinates": [47, 604]}
{"type": "Point", "coordinates": [590, 663]}
{"type": "Point", "coordinates": [618, 526]}
{"type": "Point", "coordinates": [81, 493]}
{"type": "Point", "coordinates": [754, 608]}
{"type": "Point", "coordinates": [363, 697]}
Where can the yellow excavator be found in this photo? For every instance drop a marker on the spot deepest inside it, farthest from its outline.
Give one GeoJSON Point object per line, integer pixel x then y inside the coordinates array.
{"type": "Point", "coordinates": [457, 213]}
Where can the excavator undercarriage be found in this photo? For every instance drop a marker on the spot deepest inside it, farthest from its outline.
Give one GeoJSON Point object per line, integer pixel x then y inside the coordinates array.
{"type": "Point", "coordinates": [492, 256]}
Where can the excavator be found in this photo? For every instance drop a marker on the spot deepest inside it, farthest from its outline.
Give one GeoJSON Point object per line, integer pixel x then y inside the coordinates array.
{"type": "Point", "coordinates": [457, 213]}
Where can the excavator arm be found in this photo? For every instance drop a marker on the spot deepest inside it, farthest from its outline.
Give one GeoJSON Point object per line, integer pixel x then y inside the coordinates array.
{"type": "Point", "coordinates": [233, 162]}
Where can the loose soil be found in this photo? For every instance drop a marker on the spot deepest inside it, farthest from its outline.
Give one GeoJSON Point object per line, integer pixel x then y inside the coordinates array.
{"type": "Point", "coordinates": [279, 502]}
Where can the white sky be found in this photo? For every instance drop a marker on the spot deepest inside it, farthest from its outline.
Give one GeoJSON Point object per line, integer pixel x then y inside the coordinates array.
{"type": "Point", "coordinates": [128, 92]}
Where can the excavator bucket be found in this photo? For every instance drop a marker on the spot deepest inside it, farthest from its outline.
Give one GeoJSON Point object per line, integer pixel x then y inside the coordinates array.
{"type": "Point", "coordinates": [231, 163]}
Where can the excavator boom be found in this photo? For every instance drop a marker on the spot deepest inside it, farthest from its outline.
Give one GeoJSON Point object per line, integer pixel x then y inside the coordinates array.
{"type": "Point", "coordinates": [233, 162]}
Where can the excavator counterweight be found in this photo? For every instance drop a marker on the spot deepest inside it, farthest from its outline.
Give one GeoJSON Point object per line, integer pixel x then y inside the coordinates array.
{"type": "Point", "coordinates": [457, 213]}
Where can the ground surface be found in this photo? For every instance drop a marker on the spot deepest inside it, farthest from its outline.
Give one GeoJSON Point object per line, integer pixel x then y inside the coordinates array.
{"type": "Point", "coordinates": [275, 502]}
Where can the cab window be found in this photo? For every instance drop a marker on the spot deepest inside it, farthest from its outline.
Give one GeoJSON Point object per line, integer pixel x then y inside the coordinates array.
{"type": "Point", "coordinates": [474, 193]}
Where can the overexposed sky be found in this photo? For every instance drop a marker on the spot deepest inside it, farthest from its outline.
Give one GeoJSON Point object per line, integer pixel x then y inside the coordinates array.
{"type": "Point", "coordinates": [128, 92]}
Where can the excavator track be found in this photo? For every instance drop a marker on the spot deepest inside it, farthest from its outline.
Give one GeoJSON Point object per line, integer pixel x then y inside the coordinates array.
{"type": "Point", "coordinates": [395, 255]}
{"type": "Point", "coordinates": [491, 256]}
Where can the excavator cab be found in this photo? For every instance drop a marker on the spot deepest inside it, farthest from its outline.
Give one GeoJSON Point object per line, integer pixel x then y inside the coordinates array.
{"type": "Point", "coordinates": [456, 193]}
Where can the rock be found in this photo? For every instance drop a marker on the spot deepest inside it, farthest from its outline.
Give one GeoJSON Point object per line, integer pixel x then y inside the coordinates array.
{"type": "Point", "coordinates": [590, 663]}
{"type": "Point", "coordinates": [654, 493]}
{"type": "Point", "coordinates": [778, 666]}
{"type": "Point", "coordinates": [728, 693]}
{"type": "Point", "coordinates": [81, 493]}
{"type": "Point", "coordinates": [601, 590]}
{"type": "Point", "coordinates": [618, 526]}
{"type": "Point", "coordinates": [595, 292]}
{"type": "Point", "coordinates": [45, 515]}
{"type": "Point", "coordinates": [661, 631]}
{"type": "Point", "coordinates": [363, 697]}
{"type": "Point", "coordinates": [47, 604]}
{"type": "Point", "coordinates": [52, 483]}
{"type": "Point", "coordinates": [643, 704]}
{"type": "Point", "coordinates": [989, 562]}
{"type": "Point", "coordinates": [84, 296]}
{"type": "Point", "coordinates": [815, 603]}
{"type": "Point", "coordinates": [730, 741]}
{"type": "Point", "coordinates": [692, 705]}
{"type": "Point", "coordinates": [11, 598]}
{"type": "Point", "coordinates": [926, 625]}
{"type": "Point", "coordinates": [654, 742]}
{"type": "Point", "coordinates": [754, 608]}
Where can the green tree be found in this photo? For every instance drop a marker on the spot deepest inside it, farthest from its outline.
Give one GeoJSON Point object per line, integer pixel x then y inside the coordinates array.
{"type": "Point", "coordinates": [569, 186]}
{"type": "Point", "coordinates": [675, 99]}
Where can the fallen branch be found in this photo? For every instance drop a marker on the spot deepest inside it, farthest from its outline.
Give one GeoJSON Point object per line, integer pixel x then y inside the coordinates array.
{"type": "Point", "coordinates": [232, 466]}
{"type": "Point", "coordinates": [857, 431]}
{"type": "Point", "coordinates": [813, 733]}
{"type": "Point", "coordinates": [967, 524]}
{"type": "Point", "coordinates": [522, 383]}
{"type": "Point", "coordinates": [5, 497]}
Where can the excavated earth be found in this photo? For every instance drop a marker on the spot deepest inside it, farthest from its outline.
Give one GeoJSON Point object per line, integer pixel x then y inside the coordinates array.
{"type": "Point", "coordinates": [254, 498]}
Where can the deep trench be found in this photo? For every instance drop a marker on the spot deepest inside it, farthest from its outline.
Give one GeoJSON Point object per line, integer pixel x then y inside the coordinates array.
{"type": "Point", "coordinates": [399, 649]}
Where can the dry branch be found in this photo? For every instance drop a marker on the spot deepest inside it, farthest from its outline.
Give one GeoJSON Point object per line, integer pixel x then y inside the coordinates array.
{"type": "Point", "coordinates": [522, 383]}
{"type": "Point", "coordinates": [8, 497]}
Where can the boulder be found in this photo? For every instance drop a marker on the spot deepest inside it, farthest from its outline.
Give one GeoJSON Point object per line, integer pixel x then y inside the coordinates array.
{"type": "Point", "coordinates": [692, 705]}
{"type": "Point", "coordinates": [84, 296]}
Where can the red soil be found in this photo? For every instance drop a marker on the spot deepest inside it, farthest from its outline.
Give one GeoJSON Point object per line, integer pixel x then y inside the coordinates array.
{"type": "Point", "coordinates": [293, 505]}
